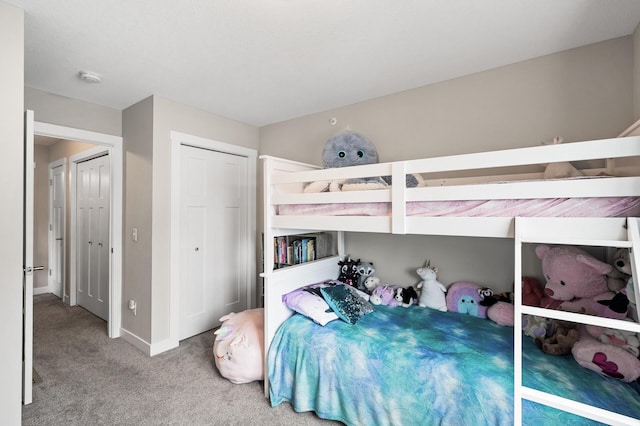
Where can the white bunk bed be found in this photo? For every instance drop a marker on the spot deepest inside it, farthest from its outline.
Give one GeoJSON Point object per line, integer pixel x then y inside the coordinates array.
{"type": "Point", "coordinates": [284, 181]}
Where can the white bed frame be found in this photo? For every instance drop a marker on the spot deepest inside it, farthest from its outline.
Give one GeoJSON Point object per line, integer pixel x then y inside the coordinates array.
{"type": "Point", "coordinates": [284, 180]}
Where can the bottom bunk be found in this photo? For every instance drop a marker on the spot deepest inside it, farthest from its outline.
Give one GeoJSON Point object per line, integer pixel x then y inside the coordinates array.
{"type": "Point", "coordinates": [414, 365]}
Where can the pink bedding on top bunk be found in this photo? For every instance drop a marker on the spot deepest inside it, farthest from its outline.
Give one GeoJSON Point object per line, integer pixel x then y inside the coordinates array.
{"type": "Point", "coordinates": [551, 207]}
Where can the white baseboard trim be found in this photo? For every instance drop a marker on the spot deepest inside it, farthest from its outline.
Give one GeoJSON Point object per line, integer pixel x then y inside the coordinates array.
{"type": "Point", "coordinates": [146, 347]}
{"type": "Point", "coordinates": [163, 346]}
{"type": "Point", "coordinates": [41, 290]}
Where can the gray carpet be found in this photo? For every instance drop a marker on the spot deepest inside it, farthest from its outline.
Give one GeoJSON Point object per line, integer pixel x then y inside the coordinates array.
{"type": "Point", "coordinates": [89, 379]}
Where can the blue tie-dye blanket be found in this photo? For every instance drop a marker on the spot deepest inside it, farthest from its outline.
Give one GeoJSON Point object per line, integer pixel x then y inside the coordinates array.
{"type": "Point", "coordinates": [417, 366]}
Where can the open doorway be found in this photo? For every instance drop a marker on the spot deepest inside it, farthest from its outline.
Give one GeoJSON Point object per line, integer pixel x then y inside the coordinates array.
{"type": "Point", "coordinates": [53, 145]}
{"type": "Point", "coordinates": [72, 215]}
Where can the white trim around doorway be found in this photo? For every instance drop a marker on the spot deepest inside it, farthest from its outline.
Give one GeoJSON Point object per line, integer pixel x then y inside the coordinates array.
{"type": "Point", "coordinates": [177, 140]}
{"type": "Point", "coordinates": [51, 241]}
{"type": "Point", "coordinates": [114, 145]}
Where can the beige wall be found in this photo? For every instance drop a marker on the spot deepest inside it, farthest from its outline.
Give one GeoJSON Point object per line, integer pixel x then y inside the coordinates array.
{"type": "Point", "coordinates": [11, 143]}
{"type": "Point", "coordinates": [137, 127]}
{"type": "Point", "coordinates": [63, 111]}
{"type": "Point", "coordinates": [579, 94]}
{"type": "Point", "coordinates": [169, 115]}
{"type": "Point", "coordinates": [146, 130]}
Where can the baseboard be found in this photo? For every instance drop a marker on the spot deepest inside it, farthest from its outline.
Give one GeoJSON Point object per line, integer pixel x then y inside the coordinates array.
{"type": "Point", "coordinates": [148, 348]}
{"type": "Point", "coordinates": [41, 290]}
{"type": "Point", "coordinates": [165, 345]}
{"type": "Point", "coordinates": [136, 341]}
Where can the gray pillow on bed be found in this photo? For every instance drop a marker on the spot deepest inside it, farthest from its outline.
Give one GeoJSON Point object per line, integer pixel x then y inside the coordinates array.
{"type": "Point", "coordinates": [346, 302]}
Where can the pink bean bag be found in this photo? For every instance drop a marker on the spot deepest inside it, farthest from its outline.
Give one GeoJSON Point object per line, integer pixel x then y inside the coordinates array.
{"type": "Point", "coordinates": [239, 346]}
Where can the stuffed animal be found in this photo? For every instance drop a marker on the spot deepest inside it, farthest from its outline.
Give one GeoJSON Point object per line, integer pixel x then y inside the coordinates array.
{"type": "Point", "coordinates": [575, 279]}
{"type": "Point", "coordinates": [371, 283]}
{"type": "Point", "coordinates": [562, 169]}
{"type": "Point", "coordinates": [631, 295]}
{"type": "Point", "coordinates": [349, 148]}
{"type": "Point", "coordinates": [365, 270]}
{"type": "Point", "coordinates": [531, 291]}
{"type": "Point", "coordinates": [384, 295]}
{"type": "Point", "coordinates": [463, 297]}
{"type": "Point", "coordinates": [489, 298]}
{"type": "Point", "coordinates": [561, 340]}
{"type": "Point", "coordinates": [627, 340]}
{"type": "Point", "coordinates": [239, 346]}
{"type": "Point", "coordinates": [607, 359]}
{"type": "Point", "coordinates": [621, 272]}
{"type": "Point", "coordinates": [349, 271]}
{"type": "Point", "coordinates": [536, 327]}
{"type": "Point", "coordinates": [406, 296]}
{"type": "Point", "coordinates": [433, 292]}
{"type": "Point", "coordinates": [501, 313]}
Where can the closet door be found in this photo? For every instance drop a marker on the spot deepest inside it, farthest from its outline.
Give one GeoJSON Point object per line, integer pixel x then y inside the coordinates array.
{"type": "Point", "coordinates": [92, 221]}
{"type": "Point", "coordinates": [214, 234]}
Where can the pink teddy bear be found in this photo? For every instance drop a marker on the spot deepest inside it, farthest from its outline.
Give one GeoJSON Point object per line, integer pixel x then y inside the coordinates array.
{"type": "Point", "coordinates": [575, 279]}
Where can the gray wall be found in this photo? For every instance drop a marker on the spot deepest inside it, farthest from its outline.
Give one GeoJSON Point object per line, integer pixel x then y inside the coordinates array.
{"type": "Point", "coordinates": [11, 141]}
{"type": "Point", "coordinates": [137, 125]}
{"type": "Point", "coordinates": [580, 94]}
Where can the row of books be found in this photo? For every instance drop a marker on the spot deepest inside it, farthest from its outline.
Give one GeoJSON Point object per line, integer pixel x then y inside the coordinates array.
{"type": "Point", "coordinates": [295, 249]}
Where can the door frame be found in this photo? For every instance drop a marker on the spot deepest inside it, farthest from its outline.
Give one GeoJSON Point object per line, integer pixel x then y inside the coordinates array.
{"type": "Point", "coordinates": [177, 140]}
{"type": "Point", "coordinates": [114, 144]}
{"type": "Point", "coordinates": [74, 160]}
{"type": "Point", "coordinates": [51, 241]}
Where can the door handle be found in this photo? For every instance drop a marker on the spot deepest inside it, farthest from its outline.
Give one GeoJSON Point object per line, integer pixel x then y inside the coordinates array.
{"type": "Point", "coordinates": [59, 239]}
{"type": "Point", "coordinates": [30, 269]}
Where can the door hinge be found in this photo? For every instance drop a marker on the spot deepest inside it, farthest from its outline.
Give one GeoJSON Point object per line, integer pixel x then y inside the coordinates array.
{"type": "Point", "coordinates": [50, 182]}
{"type": "Point", "coordinates": [49, 272]}
{"type": "Point", "coordinates": [50, 227]}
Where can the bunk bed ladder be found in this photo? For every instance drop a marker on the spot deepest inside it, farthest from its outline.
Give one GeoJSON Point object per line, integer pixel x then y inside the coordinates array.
{"type": "Point", "coordinates": [613, 232]}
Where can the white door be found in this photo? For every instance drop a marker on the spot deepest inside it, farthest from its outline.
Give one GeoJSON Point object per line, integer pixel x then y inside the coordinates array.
{"type": "Point", "coordinates": [92, 244]}
{"type": "Point", "coordinates": [27, 323]}
{"type": "Point", "coordinates": [214, 231]}
{"type": "Point", "coordinates": [57, 200]}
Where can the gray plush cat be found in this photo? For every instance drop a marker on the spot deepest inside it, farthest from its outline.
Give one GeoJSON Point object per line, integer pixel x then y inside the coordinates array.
{"type": "Point", "coordinates": [349, 148]}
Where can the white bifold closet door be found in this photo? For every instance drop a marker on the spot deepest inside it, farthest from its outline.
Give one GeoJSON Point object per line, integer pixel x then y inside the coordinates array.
{"type": "Point", "coordinates": [214, 238]}
{"type": "Point", "coordinates": [92, 244]}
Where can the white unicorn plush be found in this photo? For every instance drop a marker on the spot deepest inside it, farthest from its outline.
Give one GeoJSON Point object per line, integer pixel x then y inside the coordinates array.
{"type": "Point", "coordinates": [433, 291]}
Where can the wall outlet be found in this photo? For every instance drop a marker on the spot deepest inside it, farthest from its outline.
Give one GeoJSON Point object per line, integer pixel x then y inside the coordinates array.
{"type": "Point", "coordinates": [134, 234]}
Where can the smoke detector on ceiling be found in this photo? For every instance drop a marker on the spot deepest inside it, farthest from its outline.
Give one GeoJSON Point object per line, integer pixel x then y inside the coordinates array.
{"type": "Point", "coordinates": [89, 77]}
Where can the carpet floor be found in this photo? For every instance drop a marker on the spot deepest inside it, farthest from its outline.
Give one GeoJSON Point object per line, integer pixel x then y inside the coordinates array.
{"type": "Point", "coordinates": [90, 379]}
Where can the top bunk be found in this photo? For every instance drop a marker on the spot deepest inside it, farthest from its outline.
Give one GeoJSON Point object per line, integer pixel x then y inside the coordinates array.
{"type": "Point", "coordinates": [475, 194]}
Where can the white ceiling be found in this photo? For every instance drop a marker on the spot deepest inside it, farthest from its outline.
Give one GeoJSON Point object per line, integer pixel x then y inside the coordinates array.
{"type": "Point", "coordinates": [265, 61]}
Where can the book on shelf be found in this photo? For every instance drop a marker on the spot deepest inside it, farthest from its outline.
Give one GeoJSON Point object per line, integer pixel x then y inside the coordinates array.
{"type": "Point", "coordinates": [296, 249]}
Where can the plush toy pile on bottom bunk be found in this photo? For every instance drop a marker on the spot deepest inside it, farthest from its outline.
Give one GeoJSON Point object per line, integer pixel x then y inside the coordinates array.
{"type": "Point", "coordinates": [439, 339]}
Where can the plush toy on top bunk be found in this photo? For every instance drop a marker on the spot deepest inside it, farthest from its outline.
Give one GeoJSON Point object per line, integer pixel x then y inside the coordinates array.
{"type": "Point", "coordinates": [432, 292]}
{"type": "Point", "coordinates": [349, 148]}
{"type": "Point", "coordinates": [560, 170]}
{"type": "Point", "coordinates": [577, 282]}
